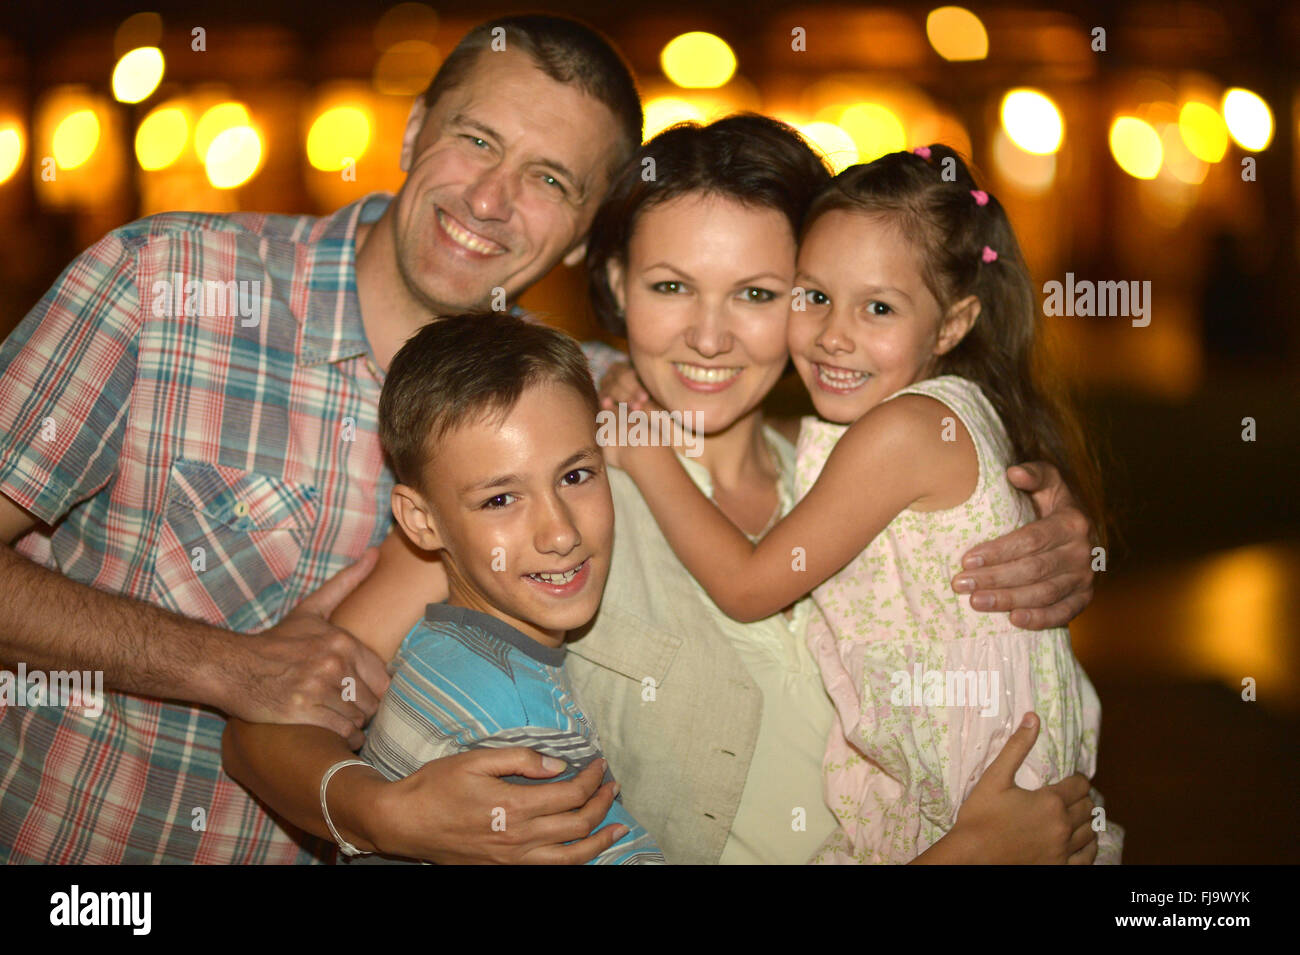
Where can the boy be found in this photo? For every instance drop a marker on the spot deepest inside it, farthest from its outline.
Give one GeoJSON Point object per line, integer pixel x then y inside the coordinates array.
{"type": "Point", "coordinates": [490, 424]}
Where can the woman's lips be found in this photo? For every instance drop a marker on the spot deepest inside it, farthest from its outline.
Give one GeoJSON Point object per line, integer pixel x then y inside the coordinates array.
{"type": "Point", "coordinates": [706, 378]}
{"type": "Point", "coordinates": [574, 580]}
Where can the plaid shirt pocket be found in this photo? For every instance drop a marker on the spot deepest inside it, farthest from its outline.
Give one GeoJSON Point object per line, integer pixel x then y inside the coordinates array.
{"type": "Point", "coordinates": [230, 543]}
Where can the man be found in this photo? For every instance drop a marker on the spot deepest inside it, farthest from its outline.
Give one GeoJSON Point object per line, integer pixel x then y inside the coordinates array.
{"type": "Point", "coordinates": [190, 495]}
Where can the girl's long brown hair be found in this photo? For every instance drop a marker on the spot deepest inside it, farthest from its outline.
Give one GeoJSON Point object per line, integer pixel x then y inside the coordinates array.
{"type": "Point", "coordinates": [930, 201]}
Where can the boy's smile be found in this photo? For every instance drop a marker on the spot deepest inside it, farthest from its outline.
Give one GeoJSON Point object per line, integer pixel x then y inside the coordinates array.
{"type": "Point", "coordinates": [521, 508]}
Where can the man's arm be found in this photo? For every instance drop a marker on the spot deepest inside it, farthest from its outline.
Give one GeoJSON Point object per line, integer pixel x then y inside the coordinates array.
{"type": "Point", "coordinates": [1041, 573]}
{"type": "Point", "coordinates": [290, 673]}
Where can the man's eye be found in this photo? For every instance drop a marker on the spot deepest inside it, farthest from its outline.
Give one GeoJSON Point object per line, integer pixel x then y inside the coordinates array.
{"type": "Point", "coordinates": [758, 296]}
{"type": "Point", "coordinates": [500, 501]}
{"type": "Point", "coordinates": [554, 183]}
{"type": "Point", "coordinates": [578, 476]}
{"type": "Point", "coordinates": [667, 288]}
{"type": "Point", "coordinates": [477, 140]}
{"type": "Point", "coordinates": [878, 308]}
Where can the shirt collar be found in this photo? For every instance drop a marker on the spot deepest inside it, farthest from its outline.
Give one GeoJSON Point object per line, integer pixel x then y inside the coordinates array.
{"type": "Point", "coordinates": [332, 329]}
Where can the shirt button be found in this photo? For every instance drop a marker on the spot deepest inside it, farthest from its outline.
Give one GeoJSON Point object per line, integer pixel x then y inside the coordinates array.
{"type": "Point", "coordinates": [241, 508]}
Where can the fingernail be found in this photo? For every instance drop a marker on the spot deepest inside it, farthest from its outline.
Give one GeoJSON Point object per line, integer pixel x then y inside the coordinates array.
{"type": "Point", "coordinates": [964, 584]}
{"type": "Point", "coordinates": [618, 788]}
{"type": "Point", "coordinates": [982, 602]}
{"type": "Point", "coordinates": [1027, 722]}
{"type": "Point", "coordinates": [620, 831]}
{"type": "Point", "coordinates": [553, 764]}
{"type": "Point", "coordinates": [973, 562]}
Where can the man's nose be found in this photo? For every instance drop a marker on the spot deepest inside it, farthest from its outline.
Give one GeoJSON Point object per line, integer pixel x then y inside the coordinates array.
{"type": "Point", "coordinates": [491, 197]}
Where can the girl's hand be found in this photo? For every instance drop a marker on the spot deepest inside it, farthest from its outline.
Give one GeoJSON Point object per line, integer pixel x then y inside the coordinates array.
{"type": "Point", "coordinates": [1002, 823]}
{"type": "Point", "coordinates": [622, 386]}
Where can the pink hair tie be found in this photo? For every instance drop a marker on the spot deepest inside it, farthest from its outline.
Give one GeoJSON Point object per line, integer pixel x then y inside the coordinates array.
{"type": "Point", "coordinates": [988, 255]}
{"type": "Point", "coordinates": [922, 151]}
{"type": "Point", "coordinates": [981, 197]}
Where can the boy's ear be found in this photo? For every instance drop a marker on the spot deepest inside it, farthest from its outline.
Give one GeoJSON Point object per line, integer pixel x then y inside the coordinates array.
{"type": "Point", "coordinates": [414, 124]}
{"type": "Point", "coordinates": [957, 324]}
{"type": "Point", "coordinates": [576, 255]}
{"type": "Point", "coordinates": [614, 273]}
{"type": "Point", "coordinates": [413, 514]}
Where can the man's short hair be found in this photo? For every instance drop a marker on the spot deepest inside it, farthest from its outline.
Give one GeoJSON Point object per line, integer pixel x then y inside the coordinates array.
{"type": "Point", "coordinates": [469, 368]}
{"type": "Point", "coordinates": [567, 51]}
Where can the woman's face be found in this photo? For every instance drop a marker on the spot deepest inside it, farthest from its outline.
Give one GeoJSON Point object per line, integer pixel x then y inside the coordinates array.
{"type": "Point", "coordinates": [706, 291]}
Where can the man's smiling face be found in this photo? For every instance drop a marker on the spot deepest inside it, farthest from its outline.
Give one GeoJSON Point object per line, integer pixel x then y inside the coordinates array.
{"type": "Point", "coordinates": [507, 173]}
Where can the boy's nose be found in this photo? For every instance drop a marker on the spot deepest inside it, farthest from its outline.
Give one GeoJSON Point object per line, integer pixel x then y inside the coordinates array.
{"type": "Point", "coordinates": [557, 533]}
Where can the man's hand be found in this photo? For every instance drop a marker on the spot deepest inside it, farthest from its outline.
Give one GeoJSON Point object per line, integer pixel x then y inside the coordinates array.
{"type": "Point", "coordinates": [294, 672]}
{"type": "Point", "coordinates": [456, 810]}
{"type": "Point", "coordinates": [1009, 825]}
{"type": "Point", "coordinates": [1041, 573]}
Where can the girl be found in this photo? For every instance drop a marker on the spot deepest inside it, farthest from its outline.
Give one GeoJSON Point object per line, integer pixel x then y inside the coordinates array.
{"type": "Point", "coordinates": [913, 328]}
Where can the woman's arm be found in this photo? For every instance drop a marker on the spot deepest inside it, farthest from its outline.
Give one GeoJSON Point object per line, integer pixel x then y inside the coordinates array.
{"type": "Point", "coordinates": [896, 448]}
{"type": "Point", "coordinates": [1000, 823]}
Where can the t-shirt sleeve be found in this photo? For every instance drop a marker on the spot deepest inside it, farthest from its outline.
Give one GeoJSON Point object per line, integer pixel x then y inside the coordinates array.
{"type": "Point", "coordinates": [67, 374]}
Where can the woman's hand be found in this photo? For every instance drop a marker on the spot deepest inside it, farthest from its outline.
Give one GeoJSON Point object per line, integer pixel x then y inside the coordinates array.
{"type": "Point", "coordinates": [1000, 823]}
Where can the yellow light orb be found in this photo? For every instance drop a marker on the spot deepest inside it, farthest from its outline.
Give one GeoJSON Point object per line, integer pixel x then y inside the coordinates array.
{"type": "Point", "coordinates": [338, 135]}
{"type": "Point", "coordinates": [834, 142]}
{"type": "Point", "coordinates": [664, 111]}
{"type": "Point", "coordinates": [698, 60]}
{"type": "Point", "coordinates": [1203, 131]}
{"type": "Point", "coordinates": [75, 138]}
{"type": "Point", "coordinates": [161, 138]}
{"type": "Point", "coordinates": [11, 150]}
{"type": "Point", "coordinates": [1136, 147]}
{"type": "Point", "coordinates": [233, 157]}
{"type": "Point", "coordinates": [216, 121]}
{"type": "Point", "coordinates": [137, 74]}
{"type": "Point", "coordinates": [1249, 119]}
{"type": "Point", "coordinates": [874, 129]}
{"type": "Point", "coordinates": [957, 34]}
{"type": "Point", "coordinates": [1179, 161]}
{"type": "Point", "coordinates": [1032, 121]}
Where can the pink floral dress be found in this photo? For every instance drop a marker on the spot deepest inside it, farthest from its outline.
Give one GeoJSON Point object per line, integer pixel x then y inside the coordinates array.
{"type": "Point", "coordinates": [927, 690]}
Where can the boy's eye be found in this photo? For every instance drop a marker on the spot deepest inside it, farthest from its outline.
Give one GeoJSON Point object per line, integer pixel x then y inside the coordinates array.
{"type": "Point", "coordinates": [578, 476]}
{"type": "Point", "coordinates": [668, 287]}
{"type": "Point", "coordinates": [878, 308]}
{"type": "Point", "coordinates": [501, 500]}
{"type": "Point", "coordinates": [757, 296]}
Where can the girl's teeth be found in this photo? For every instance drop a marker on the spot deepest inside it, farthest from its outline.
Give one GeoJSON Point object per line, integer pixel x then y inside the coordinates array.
{"type": "Point", "coordinates": [705, 375]}
{"type": "Point", "coordinates": [841, 377]}
{"type": "Point", "coordinates": [466, 239]}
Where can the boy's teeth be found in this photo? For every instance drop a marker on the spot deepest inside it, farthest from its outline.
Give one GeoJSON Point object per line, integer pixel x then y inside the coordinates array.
{"type": "Point", "coordinates": [841, 377]}
{"type": "Point", "coordinates": [465, 238]}
{"type": "Point", "coordinates": [705, 375]}
{"type": "Point", "coordinates": [557, 578]}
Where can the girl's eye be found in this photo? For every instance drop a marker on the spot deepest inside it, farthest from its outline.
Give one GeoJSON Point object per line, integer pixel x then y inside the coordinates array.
{"type": "Point", "coordinates": [816, 297]}
{"type": "Point", "coordinates": [667, 288]}
{"type": "Point", "coordinates": [500, 501]}
{"type": "Point", "coordinates": [758, 296]}
{"type": "Point", "coordinates": [578, 476]}
{"type": "Point", "coordinates": [878, 308]}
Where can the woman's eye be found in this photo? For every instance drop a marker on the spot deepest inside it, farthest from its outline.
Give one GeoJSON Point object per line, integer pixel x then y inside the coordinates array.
{"type": "Point", "coordinates": [758, 296]}
{"type": "Point", "coordinates": [667, 288]}
{"type": "Point", "coordinates": [878, 308]}
{"type": "Point", "coordinates": [501, 500]}
{"type": "Point", "coordinates": [578, 476]}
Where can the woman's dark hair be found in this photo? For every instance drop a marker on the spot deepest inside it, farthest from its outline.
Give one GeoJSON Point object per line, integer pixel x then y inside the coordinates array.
{"type": "Point", "coordinates": [931, 202]}
{"type": "Point", "coordinates": [753, 159]}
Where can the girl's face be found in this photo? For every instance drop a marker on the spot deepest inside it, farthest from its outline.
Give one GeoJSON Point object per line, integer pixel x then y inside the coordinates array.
{"type": "Point", "coordinates": [706, 290]}
{"type": "Point", "coordinates": [871, 325]}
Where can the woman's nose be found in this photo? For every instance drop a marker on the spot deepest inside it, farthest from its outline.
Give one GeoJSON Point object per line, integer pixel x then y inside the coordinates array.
{"type": "Point", "coordinates": [710, 333]}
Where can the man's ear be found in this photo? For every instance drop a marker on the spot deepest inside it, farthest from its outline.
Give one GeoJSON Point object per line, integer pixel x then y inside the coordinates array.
{"type": "Point", "coordinates": [414, 124]}
{"type": "Point", "coordinates": [957, 324]}
{"type": "Point", "coordinates": [412, 512]}
{"type": "Point", "coordinates": [614, 273]}
{"type": "Point", "coordinates": [576, 255]}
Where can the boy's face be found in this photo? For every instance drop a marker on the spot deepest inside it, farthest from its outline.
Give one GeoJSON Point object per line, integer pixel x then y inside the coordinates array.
{"type": "Point", "coordinates": [522, 512]}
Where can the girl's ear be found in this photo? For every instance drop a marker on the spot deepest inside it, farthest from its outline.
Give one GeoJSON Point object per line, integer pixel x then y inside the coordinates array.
{"type": "Point", "coordinates": [957, 324]}
{"type": "Point", "coordinates": [412, 512]}
{"type": "Point", "coordinates": [614, 273]}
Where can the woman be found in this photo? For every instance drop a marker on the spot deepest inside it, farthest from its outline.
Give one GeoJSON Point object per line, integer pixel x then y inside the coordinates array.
{"type": "Point", "coordinates": [714, 729]}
